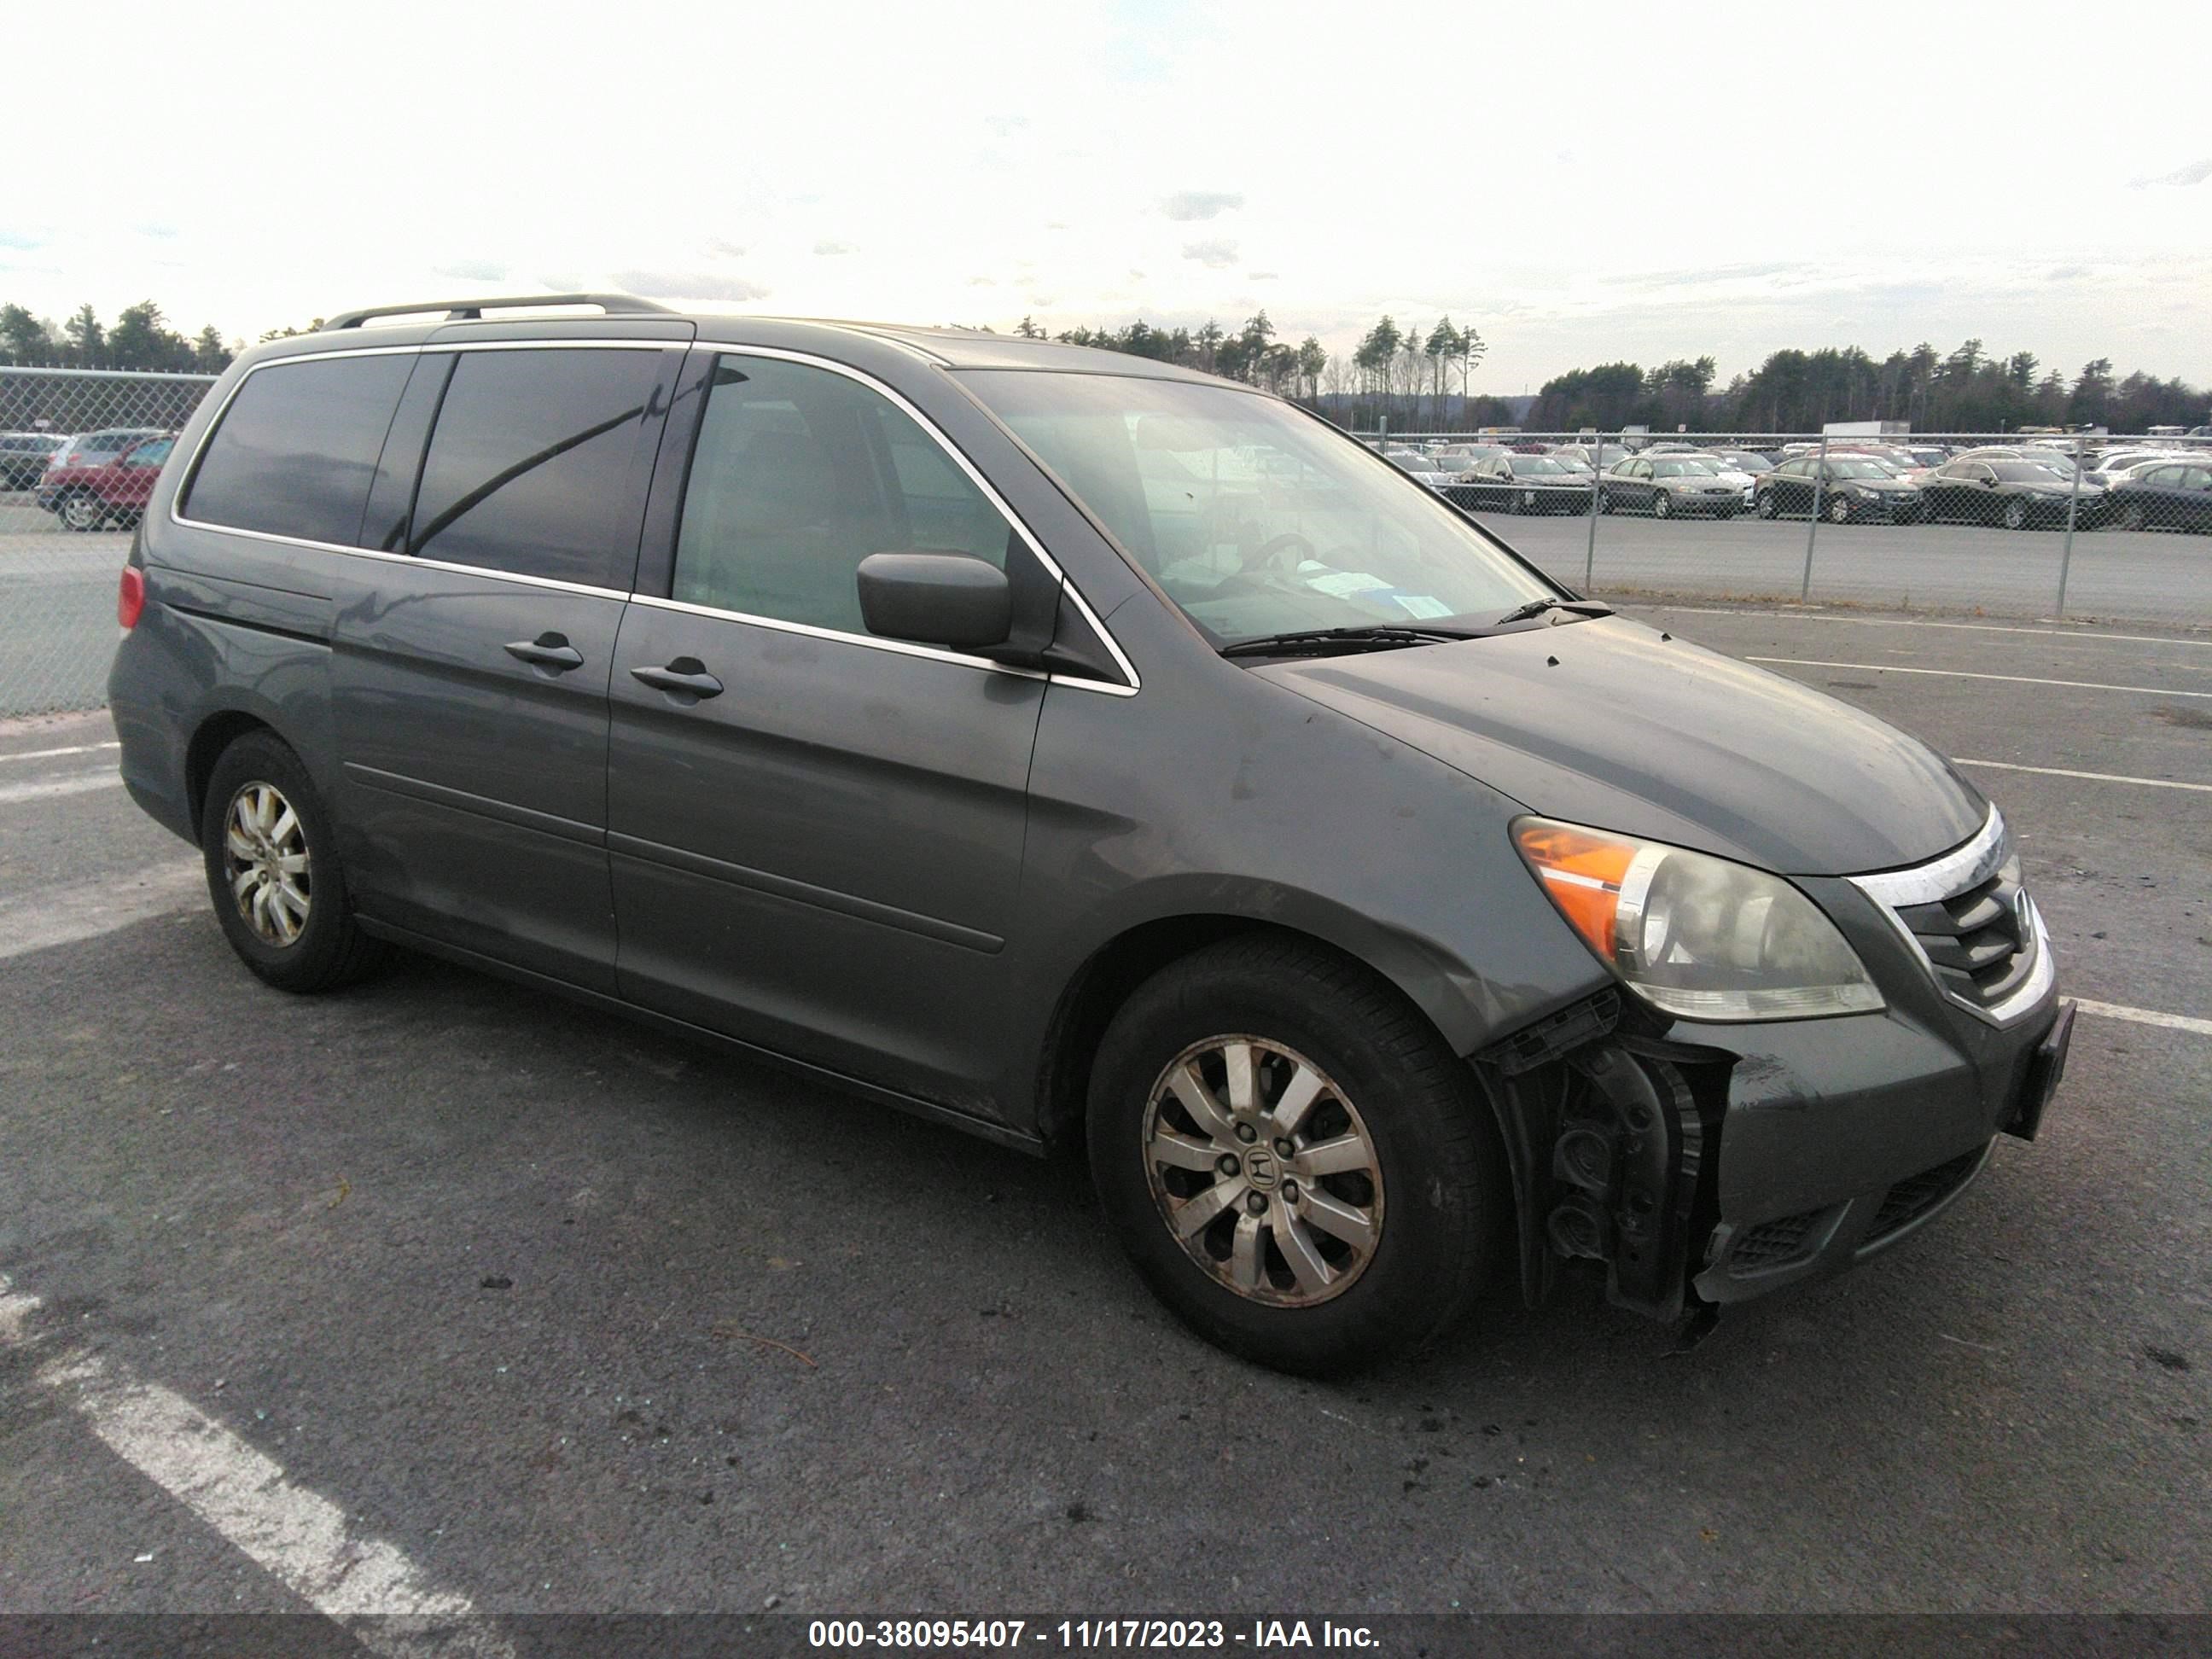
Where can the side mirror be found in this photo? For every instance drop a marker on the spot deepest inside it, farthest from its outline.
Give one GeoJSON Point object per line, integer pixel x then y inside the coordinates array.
{"type": "Point", "coordinates": [936, 599]}
{"type": "Point", "coordinates": [1989, 483]}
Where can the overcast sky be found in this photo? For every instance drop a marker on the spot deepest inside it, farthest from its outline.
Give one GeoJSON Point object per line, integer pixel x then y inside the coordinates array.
{"type": "Point", "coordinates": [1582, 182]}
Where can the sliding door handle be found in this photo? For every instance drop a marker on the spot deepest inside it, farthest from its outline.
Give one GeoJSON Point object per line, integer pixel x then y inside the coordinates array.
{"type": "Point", "coordinates": [547, 651]}
{"type": "Point", "coordinates": [684, 676]}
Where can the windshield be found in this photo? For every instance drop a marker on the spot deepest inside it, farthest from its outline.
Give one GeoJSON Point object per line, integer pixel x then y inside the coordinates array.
{"type": "Point", "coordinates": [2024, 472]}
{"type": "Point", "coordinates": [1858, 469]}
{"type": "Point", "coordinates": [1536, 464]}
{"type": "Point", "coordinates": [1677, 466]}
{"type": "Point", "coordinates": [1255, 519]}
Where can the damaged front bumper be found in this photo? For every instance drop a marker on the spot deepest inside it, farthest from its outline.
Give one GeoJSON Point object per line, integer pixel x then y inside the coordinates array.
{"type": "Point", "coordinates": [1706, 1164]}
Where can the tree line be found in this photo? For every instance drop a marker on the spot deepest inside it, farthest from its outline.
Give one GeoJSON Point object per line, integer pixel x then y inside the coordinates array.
{"type": "Point", "coordinates": [1252, 353]}
{"type": "Point", "coordinates": [140, 338]}
{"type": "Point", "coordinates": [1968, 390]}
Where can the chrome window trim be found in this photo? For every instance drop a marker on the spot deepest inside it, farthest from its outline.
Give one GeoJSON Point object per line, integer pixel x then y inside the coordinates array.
{"type": "Point", "coordinates": [1963, 868]}
{"type": "Point", "coordinates": [1074, 682]}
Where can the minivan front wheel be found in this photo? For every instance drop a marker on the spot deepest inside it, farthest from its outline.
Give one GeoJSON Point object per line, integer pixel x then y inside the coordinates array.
{"type": "Point", "coordinates": [272, 872]}
{"type": "Point", "coordinates": [1296, 1163]}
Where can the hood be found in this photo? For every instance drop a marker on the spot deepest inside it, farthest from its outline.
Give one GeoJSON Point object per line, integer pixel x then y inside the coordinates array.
{"type": "Point", "coordinates": [1880, 486]}
{"type": "Point", "coordinates": [1648, 736]}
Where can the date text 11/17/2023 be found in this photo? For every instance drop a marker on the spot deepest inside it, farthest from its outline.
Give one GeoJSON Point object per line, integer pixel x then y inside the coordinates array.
{"type": "Point", "coordinates": [1077, 1635]}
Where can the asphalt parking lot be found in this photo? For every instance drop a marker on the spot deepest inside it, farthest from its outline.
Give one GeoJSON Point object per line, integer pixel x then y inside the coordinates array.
{"type": "Point", "coordinates": [509, 1306]}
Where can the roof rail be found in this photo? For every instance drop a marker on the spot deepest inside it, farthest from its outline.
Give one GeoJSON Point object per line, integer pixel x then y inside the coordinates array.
{"type": "Point", "coordinates": [457, 311]}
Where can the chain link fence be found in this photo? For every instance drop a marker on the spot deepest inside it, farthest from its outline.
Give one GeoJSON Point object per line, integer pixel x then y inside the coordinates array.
{"type": "Point", "coordinates": [2004, 524]}
{"type": "Point", "coordinates": [2064, 526]}
{"type": "Point", "coordinates": [80, 450]}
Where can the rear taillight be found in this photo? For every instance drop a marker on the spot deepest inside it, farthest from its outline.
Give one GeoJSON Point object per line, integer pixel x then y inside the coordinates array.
{"type": "Point", "coordinates": [131, 597]}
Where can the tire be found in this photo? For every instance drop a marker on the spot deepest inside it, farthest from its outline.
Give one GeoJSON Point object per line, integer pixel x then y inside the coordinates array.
{"type": "Point", "coordinates": [307, 941]}
{"type": "Point", "coordinates": [82, 512]}
{"type": "Point", "coordinates": [1839, 509]}
{"type": "Point", "coordinates": [1764, 505]}
{"type": "Point", "coordinates": [1391, 1093]}
{"type": "Point", "coordinates": [2015, 516]}
{"type": "Point", "coordinates": [1662, 504]}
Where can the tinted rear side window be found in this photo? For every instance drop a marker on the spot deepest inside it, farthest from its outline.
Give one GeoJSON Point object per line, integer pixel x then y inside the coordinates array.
{"type": "Point", "coordinates": [295, 450]}
{"type": "Point", "coordinates": [530, 466]}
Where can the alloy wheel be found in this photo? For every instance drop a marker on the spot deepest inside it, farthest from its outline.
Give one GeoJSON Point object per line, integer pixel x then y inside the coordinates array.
{"type": "Point", "coordinates": [1263, 1171]}
{"type": "Point", "coordinates": [266, 861]}
{"type": "Point", "coordinates": [83, 513]}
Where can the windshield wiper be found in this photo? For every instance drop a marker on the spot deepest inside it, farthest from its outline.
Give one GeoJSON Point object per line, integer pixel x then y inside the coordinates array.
{"type": "Point", "coordinates": [1375, 636]}
{"type": "Point", "coordinates": [1538, 607]}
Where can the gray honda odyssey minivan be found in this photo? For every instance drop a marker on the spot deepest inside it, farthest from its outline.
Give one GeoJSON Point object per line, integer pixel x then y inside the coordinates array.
{"type": "Point", "coordinates": [1080, 751]}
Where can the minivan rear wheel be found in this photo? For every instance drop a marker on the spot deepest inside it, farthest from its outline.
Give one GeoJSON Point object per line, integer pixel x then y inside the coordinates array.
{"type": "Point", "coordinates": [1294, 1160]}
{"type": "Point", "coordinates": [273, 872]}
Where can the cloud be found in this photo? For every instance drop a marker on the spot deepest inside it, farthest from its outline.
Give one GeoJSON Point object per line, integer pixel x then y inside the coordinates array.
{"type": "Point", "coordinates": [2194, 173]}
{"type": "Point", "coordinates": [2065, 273]}
{"type": "Point", "coordinates": [689, 285]}
{"type": "Point", "coordinates": [825, 248]}
{"type": "Point", "coordinates": [1262, 275]}
{"type": "Point", "coordinates": [156, 229]}
{"type": "Point", "coordinates": [982, 281]}
{"type": "Point", "coordinates": [1214, 255]}
{"type": "Point", "coordinates": [722, 250]}
{"type": "Point", "coordinates": [15, 238]}
{"type": "Point", "coordinates": [1188, 204]}
{"type": "Point", "coordinates": [474, 271]}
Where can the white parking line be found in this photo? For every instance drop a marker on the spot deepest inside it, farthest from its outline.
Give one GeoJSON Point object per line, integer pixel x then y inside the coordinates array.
{"type": "Point", "coordinates": [86, 909]}
{"type": "Point", "coordinates": [297, 1536]}
{"type": "Point", "coordinates": [2146, 1017]}
{"type": "Point", "coordinates": [1962, 674]}
{"type": "Point", "coordinates": [15, 791]}
{"type": "Point", "coordinates": [2097, 777]}
{"type": "Point", "coordinates": [49, 754]}
{"type": "Point", "coordinates": [1916, 622]}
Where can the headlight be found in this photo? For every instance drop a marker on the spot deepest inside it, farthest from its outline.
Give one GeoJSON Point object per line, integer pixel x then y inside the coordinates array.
{"type": "Point", "coordinates": [1695, 935]}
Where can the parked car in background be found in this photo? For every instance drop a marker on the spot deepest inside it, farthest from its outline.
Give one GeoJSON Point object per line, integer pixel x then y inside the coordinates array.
{"type": "Point", "coordinates": [24, 457]}
{"type": "Point", "coordinates": [2165, 495]}
{"type": "Point", "coordinates": [1523, 484]}
{"type": "Point", "coordinates": [1752, 461]}
{"type": "Point", "coordinates": [1430, 471]}
{"type": "Point", "coordinates": [1849, 488]}
{"type": "Point", "coordinates": [2057, 459]}
{"type": "Point", "coordinates": [2114, 465]}
{"type": "Point", "coordinates": [1664, 485]}
{"type": "Point", "coordinates": [89, 496]}
{"type": "Point", "coordinates": [1465, 457]}
{"type": "Point", "coordinates": [1595, 457]}
{"type": "Point", "coordinates": [1735, 477]}
{"type": "Point", "coordinates": [2017, 494]}
{"type": "Point", "coordinates": [98, 448]}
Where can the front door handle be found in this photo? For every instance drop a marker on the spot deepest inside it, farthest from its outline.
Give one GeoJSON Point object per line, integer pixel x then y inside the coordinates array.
{"type": "Point", "coordinates": [684, 676]}
{"type": "Point", "coordinates": [547, 651]}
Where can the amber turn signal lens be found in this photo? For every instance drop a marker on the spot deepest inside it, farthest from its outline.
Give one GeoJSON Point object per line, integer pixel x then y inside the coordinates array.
{"type": "Point", "coordinates": [1582, 870]}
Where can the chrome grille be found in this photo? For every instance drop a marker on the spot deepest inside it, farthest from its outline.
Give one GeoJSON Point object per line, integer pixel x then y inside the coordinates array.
{"type": "Point", "coordinates": [1972, 924]}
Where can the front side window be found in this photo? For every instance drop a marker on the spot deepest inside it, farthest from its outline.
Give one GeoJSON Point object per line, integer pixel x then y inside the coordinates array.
{"type": "Point", "coordinates": [1253, 517]}
{"type": "Point", "coordinates": [150, 455]}
{"type": "Point", "coordinates": [529, 468]}
{"type": "Point", "coordinates": [296, 448]}
{"type": "Point", "coordinates": [799, 474]}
